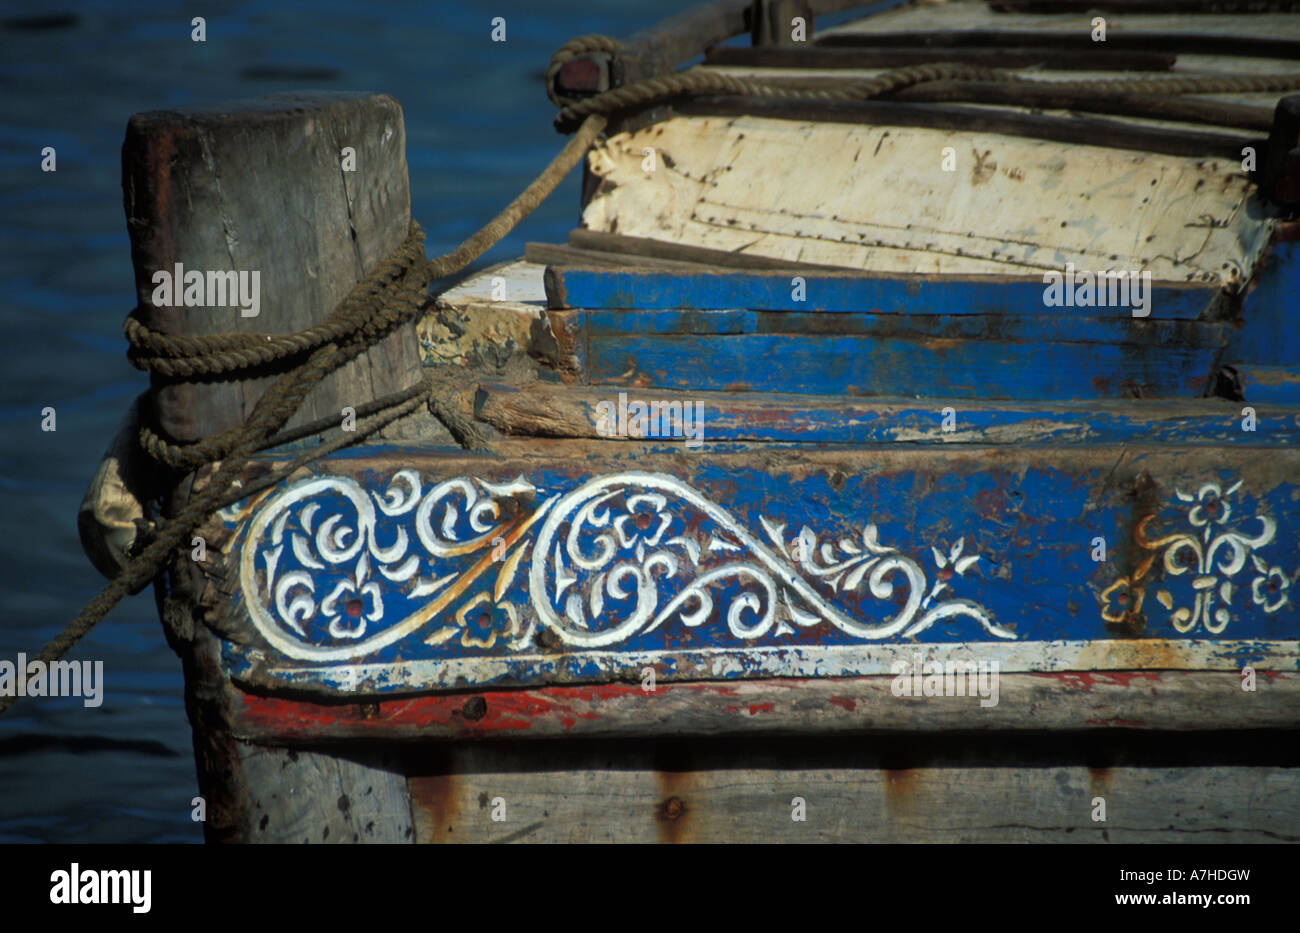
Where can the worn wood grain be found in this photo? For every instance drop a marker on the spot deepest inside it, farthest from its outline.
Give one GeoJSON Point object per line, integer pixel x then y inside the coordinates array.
{"type": "Point", "coordinates": [691, 290]}
{"type": "Point", "coordinates": [1074, 130]}
{"type": "Point", "coordinates": [881, 201]}
{"type": "Point", "coordinates": [542, 409]}
{"type": "Point", "coordinates": [1103, 701]}
{"type": "Point", "coordinates": [260, 186]}
{"type": "Point", "coordinates": [628, 246]}
{"type": "Point", "coordinates": [268, 794]}
{"type": "Point", "coordinates": [595, 797]}
{"type": "Point", "coordinates": [301, 796]}
{"type": "Point", "coordinates": [868, 365]}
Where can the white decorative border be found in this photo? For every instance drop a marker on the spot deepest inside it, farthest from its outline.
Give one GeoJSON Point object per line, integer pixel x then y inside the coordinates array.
{"type": "Point", "coordinates": [626, 534]}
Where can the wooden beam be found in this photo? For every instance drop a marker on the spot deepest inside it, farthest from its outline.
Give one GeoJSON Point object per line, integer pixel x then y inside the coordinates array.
{"type": "Point", "coordinates": [724, 289]}
{"type": "Point", "coordinates": [1145, 701]}
{"type": "Point", "coordinates": [1151, 106]}
{"type": "Point", "coordinates": [544, 410]}
{"type": "Point", "coordinates": [612, 250]}
{"type": "Point", "coordinates": [265, 188]}
{"type": "Point", "coordinates": [861, 57]}
{"type": "Point", "coordinates": [635, 246]}
{"type": "Point", "coordinates": [728, 793]}
{"type": "Point", "coordinates": [1078, 39]}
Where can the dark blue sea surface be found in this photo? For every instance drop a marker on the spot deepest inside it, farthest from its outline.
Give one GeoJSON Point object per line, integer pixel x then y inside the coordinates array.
{"type": "Point", "coordinates": [478, 129]}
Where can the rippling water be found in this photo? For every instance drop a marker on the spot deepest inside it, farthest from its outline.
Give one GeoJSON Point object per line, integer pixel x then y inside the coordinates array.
{"type": "Point", "coordinates": [478, 129]}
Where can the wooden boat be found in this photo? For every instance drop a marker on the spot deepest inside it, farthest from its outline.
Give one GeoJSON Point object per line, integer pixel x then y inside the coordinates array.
{"type": "Point", "coordinates": [828, 483]}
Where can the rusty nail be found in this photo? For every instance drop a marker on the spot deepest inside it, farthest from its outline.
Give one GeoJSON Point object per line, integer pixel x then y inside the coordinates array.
{"type": "Point", "coordinates": [672, 808]}
{"type": "Point", "coordinates": [474, 709]}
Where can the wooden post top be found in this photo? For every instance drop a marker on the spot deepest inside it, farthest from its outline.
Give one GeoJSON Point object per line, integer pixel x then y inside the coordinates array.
{"type": "Point", "coordinates": [260, 216]}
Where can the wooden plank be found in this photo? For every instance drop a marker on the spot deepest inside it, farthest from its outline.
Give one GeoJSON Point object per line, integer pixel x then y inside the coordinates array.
{"type": "Point", "coordinates": [1075, 130]}
{"type": "Point", "coordinates": [301, 796]}
{"type": "Point", "coordinates": [206, 188]}
{"type": "Point", "coordinates": [724, 289]}
{"type": "Point", "coordinates": [965, 356]}
{"type": "Point", "coordinates": [873, 204]}
{"type": "Point", "coordinates": [616, 243]}
{"type": "Point", "coordinates": [674, 258]}
{"type": "Point", "coordinates": [1098, 58]}
{"type": "Point", "coordinates": [1195, 17]}
{"type": "Point", "coordinates": [544, 410]}
{"type": "Point", "coordinates": [736, 797]}
{"type": "Point", "coordinates": [400, 571]}
{"type": "Point", "coordinates": [1188, 110]}
{"type": "Point", "coordinates": [860, 365]}
{"type": "Point", "coordinates": [1078, 39]}
{"type": "Point", "coordinates": [1147, 701]}
{"type": "Point", "coordinates": [1065, 325]}
{"type": "Point", "coordinates": [561, 256]}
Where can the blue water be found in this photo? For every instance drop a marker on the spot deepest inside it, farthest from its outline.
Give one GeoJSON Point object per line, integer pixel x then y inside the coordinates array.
{"type": "Point", "coordinates": [478, 129]}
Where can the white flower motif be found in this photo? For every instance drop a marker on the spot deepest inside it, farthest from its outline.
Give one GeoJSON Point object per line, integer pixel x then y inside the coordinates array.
{"type": "Point", "coordinates": [641, 526]}
{"type": "Point", "coordinates": [1269, 588]}
{"type": "Point", "coordinates": [1212, 507]}
{"type": "Point", "coordinates": [352, 593]}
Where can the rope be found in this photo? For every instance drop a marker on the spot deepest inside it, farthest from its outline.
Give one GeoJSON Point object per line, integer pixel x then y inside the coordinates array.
{"type": "Point", "coordinates": [582, 45]}
{"type": "Point", "coordinates": [379, 302]}
{"type": "Point", "coordinates": [699, 81]}
{"type": "Point", "coordinates": [392, 294]}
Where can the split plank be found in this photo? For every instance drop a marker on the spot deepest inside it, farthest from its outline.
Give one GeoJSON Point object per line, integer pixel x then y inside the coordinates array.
{"type": "Point", "coordinates": [541, 409]}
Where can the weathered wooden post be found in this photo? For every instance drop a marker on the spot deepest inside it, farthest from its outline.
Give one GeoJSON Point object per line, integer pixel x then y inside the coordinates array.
{"type": "Point", "coordinates": [303, 195]}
